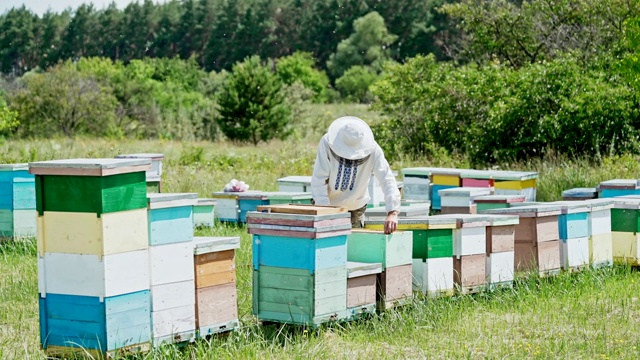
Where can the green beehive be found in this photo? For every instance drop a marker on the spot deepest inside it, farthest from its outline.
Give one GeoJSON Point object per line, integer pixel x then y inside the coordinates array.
{"type": "Point", "coordinates": [370, 246]}
{"type": "Point", "coordinates": [625, 220]}
{"type": "Point", "coordinates": [433, 243]}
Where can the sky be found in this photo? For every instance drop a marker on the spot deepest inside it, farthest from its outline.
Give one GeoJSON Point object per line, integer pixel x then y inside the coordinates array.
{"type": "Point", "coordinates": [41, 6]}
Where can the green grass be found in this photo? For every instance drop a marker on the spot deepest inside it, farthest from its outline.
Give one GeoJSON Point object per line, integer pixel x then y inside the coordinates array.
{"type": "Point", "coordinates": [589, 315]}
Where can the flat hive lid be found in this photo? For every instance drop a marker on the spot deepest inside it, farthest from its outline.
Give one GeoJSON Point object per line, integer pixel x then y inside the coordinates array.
{"type": "Point", "coordinates": [296, 179]}
{"type": "Point", "coordinates": [468, 220]}
{"type": "Point", "coordinates": [620, 183]}
{"type": "Point", "coordinates": [246, 195]}
{"type": "Point", "coordinates": [599, 204]}
{"type": "Point", "coordinates": [429, 171]}
{"type": "Point", "coordinates": [357, 269]}
{"type": "Point", "coordinates": [154, 156]}
{"type": "Point", "coordinates": [89, 167]}
{"type": "Point", "coordinates": [572, 207]}
{"type": "Point", "coordinates": [626, 202]}
{"type": "Point", "coordinates": [538, 210]}
{"type": "Point", "coordinates": [403, 211]}
{"type": "Point", "coordinates": [502, 199]}
{"type": "Point", "coordinates": [464, 191]}
{"type": "Point", "coordinates": [206, 201]}
{"type": "Point", "coordinates": [502, 220]}
{"type": "Point", "coordinates": [14, 167]}
{"type": "Point", "coordinates": [420, 222]}
{"type": "Point", "coordinates": [579, 192]}
{"type": "Point", "coordinates": [283, 195]}
{"type": "Point", "coordinates": [164, 200]}
{"type": "Point", "coordinates": [476, 174]}
{"type": "Point", "coordinates": [503, 175]}
{"type": "Point", "coordinates": [209, 244]}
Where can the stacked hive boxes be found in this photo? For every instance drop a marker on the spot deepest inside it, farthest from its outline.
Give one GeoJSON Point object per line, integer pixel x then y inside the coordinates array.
{"type": "Point", "coordinates": [515, 183]}
{"type": "Point", "coordinates": [93, 264]}
{"type": "Point", "coordinates": [578, 194]}
{"type": "Point", "coordinates": [154, 175]}
{"type": "Point", "coordinates": [17, 201]}
{"type": "Point", "coordinates": [460, 200]}
{"type": "Point", "coordinates": [573, 226]}
{"type": "Point", "coordinates": [442, 179]}
{"type": "Point", "coordinates": [299, 263]}
{"type": "Point", "coordinates": [618, 187]}
{"type": "Point", "coordinates": [600, 239]}
{"type": "Point", "coordinates": [362, 280]}
{"type": "Point", "coordinates": [625, 229]}
{"type": "Point", "coordinates": [203, 212]}
{"type": "Point", "coordinates": [501, 250]}
{"type": "Point", "coordinates": [380, 213]}
{"type": "Point", "coordinates": [469, 252]}
{"type": "Point", "coordinates": [476, 179]}
{"type": "Point", "coordinates": [393, 251]}
{"type": "Point", "coordinates": [488, 202]}
{"type": "Point", "coordinates": [432, 252]}
{"type": "Point", "coordinates": [215, 278]}
{"type": "Point", "coordinates": [171, 263]}
{"type": "Point", "coordinates": [537, 238]}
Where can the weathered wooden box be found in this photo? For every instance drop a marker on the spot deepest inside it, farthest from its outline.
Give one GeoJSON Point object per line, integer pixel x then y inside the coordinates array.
{"type": "Point", "coordinates": [295, 296]}
{"type": "Point", "coordinates": [573, 225]}
{"type": "Point", "coordinates": [173, 315]}
{"type": "Point", "coordinates": [80, 325]}
{"type": "Point", "coordinates": [361, 287]}
{"type": "Point", "coordinates": [470, 235]}
{"type": "Point", "coordinates": [501, 233]}
{"type": "Point", "coordinates": [90, 185]}
{"type": "Point", "coordinates": [374, 246]}
{"type": "Point", "coordinates": [92, 275]}
{"type": "Point", "coordinates": [394, 287]}
{"type": "Point", "coordinates": [619, 187]}
{"type": "Point", "coordinates": [88, 233]}
{"type": "Point", "coordinates": [18, 223]}
{"type": "Point", "coordinates": [433, 276]}
{"type": "Point", "coordinates": [171, 217]}
{"type": "Point", "coordinates": [233, 206]}
{"type": "Point", "coordinates": [203, 212]}
{"type": "Point", "coordinates": [469, 272]}
{"type": "Point", "coordinates": [542, 257]}
{"type": "Point", "coordinates": [476, 178]}
{"type": "Point", "coordinates": [625, 225]}
{"type": "Point", "coordinates": [215, 275]}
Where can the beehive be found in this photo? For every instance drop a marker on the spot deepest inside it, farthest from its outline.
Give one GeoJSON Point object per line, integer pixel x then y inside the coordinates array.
{"type": "Point", "coordinates": [625, 227]}
{"type": "Point", "coordinates": [488, 202]}
{"type": "Point", "coordinates": [153, 175]}
{"type": "Point", "coordinates": [416, 184]}
{"type": "Point", "coordinates": [618, 187]}
{"type": "Point", "coordinates": [600, 237]}
{"type": "Point", "coordinates": [295, 184]}
{"type": "Point", "coordinates": [515, 183]}
{"type": "Point", "coordinates": [460, 200]}
{"type": "Point", "coordinates": [501, 250]}
{"type": "Point", "coordinates": [276, 198]}
{"type": "Point", "coordinates": [244, 201]}
{"type": "Point", "coordinates": [215, 280]}
{"type": "Point", "coordinates": [93, 263]}
{"type": "Point", "coordinates": [573, 225]}
{"type": "Point", "coordinates": [380, 213]}
{"type": "Point", "coordinates": [577, 194]}
{"type": "Point", "coordinates": [17, 201]}
{"type": "Point", "coordinates": [362, 288]}
{"type": "Point", "coordinates": [203, 212]}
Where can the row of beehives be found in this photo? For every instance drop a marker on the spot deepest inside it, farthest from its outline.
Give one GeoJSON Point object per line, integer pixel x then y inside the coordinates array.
{"type": "Point", "coordinates": [120, 268]}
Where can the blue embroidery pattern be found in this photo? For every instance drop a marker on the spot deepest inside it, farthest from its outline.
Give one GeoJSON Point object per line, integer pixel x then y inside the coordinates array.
{"type": "Point", "coordinates": [347, 172]}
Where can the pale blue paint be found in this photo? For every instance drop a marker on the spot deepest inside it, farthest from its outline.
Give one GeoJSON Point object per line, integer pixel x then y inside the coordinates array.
{"type": "Point", "coordinates": [17, 196]}
{"type": "Point", "coordinates": [249, 205]}
{"type": "Point", "coordinates": [299, 253]}
{"type": "Point", "coordinates": [170, 225]}
{"type": "Point", "coordinates": [435, 197]}
{"type": "Point", "coordinates": [573, 226]}
{"type": "Point", "coordinates": [75, 321]}
{"type": "Point", "coordinates": [609, 193]}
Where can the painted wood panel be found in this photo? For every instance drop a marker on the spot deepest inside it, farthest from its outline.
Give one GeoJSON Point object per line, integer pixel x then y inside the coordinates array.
{"type": "Point", "coordinates": [500, 238]}
{"type": "Point", "coordinates": [86, 233]}
{"type": "Point", "coordinates": [377, 247]}
{"type": "Point", "coordinates": [173, 325]}
{"type": "Point", "coordinates": [469, 241]}
{"type": "Point", "coordinates": [542, 256]}
{"type": "Point", "coordinates": [24, 224]}
{"type": "Point", "coordinates": [625, 220]}
{"type": "Point", "coordinates": [171, 263]}
{"type": "Point", "coordinates": [358, 269]}
{"type": "Point", "coordinates": [515, 185]}
{"type": "Point", "coordinates": [573, 225]}
{"type": "Point", "coordinates": [226, 210]}
{"type": "Point", "coordinates": [203, 215]}
{"type": "Point", "coordinates": [574, 253]}
{"type": "Point", "coordinates": [89, 167]}
{"type": "Point", "coordinates": [88, 275]}
{"type": "Point", "coordinates": [436, 203]}
{"type": "Point", "coordinates": [500, 267]}
{"type": "Point", "coordinates": [394, 286]}
{"type": "Point", "coordinates": [433, 276]}
{"type": "Point", "coordinates": [246, 205]}
{"type": "Point", "coordinates": [451, 210]}
{"type": "Point", "coordinates": [416, 188]}
{"type": "Point", "coordinates": [361, 290]}
{"type": "Point", "coordinates": [214, 263]}
{"type": "Point", "coordinates": [528, 193]}
{"type": "Point", "coordinates": [537, 229]}
{"type": "Point", "coordinates": [470, 270]}
{"type": "Point", "coordinates": [549, 255]}
{"type": "Point", "coordinates": [170, 225]}
{"type": "Point", "coordinates": [485, 183]}
{"type": "Point", "coordinates": [443, 179]}
{"type": "Point", "coordinates": [211, 244]}
{"type": "Point", "coordinates": [75, 321]}
{"type": "Point", "coordinates": [93, 194]}
{"type": "Point", "coordinates": [432, 243]}
{"type": "Point", "coordinates": [298, 253]}
{"type": "Point", "coordinates": [216, 304]}
{"type": "Point", "coordinates": [625, 246]}
{"type": "Point", "coordinates": [156, 162]}
{"type": "Point", "coordinates": [600, 222]}
{"type": "Point", "coordinates": [177, 294]}
{"type": "Point", "coordinates": [601, 249]}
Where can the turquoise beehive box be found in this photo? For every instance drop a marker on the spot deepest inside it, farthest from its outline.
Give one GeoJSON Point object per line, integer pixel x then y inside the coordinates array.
{"type": "Point", "coordinates": [373, 246]}
{"type": "Point", "coordinates": [170, 217]}
{"type": "Point", "coordinates": [17, 201]}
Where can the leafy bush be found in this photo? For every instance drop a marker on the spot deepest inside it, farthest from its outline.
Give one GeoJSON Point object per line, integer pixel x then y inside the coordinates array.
{"type": "Point", "coordinates": [252, 105]}
{"type": "Point", "coordinates": [300, 67]}
{"type": "Point", "coordinates": [354, 84]}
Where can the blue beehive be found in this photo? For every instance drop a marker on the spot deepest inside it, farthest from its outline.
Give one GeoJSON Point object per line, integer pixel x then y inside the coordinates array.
{"type": "Point", "coordinates": [171, 217]}
{"type": "Point", "coordinates": [17, 201]}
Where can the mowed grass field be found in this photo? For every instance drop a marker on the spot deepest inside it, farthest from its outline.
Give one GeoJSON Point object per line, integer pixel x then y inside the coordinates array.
{"type": "Point", "coordinates": [589, 315]}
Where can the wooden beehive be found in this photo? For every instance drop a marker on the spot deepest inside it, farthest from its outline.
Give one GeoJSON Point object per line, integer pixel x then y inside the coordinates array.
{"type": "Point", "coordinates": [515, 183]}
{"type": "Point", "coordinates": [154, 175]}
{"type": "Point", "coordinates": [380, 212]}
{"type": "Point", "coordinates": [226, 209]}
{"type": "Point", "coordinates": [469, 274]}
{"type": "Point", "coordinates": [374, 246]}
{"type": "Point", "coordinates": [203, 212]}
{"type": "Point", "coordinates": [361, 287]}
{"type": "Point", "coordinates": [295, 184]}
{"type": "Point", "coordinates": [625, 226]}
{"type": "Point", "coordinates": [460, 200]}
{"type": "Point", "coordinates": [573, 225]}
{"type": "Point", "coordinates": [501, 250]}
{"type": "Point", "coordinates": [489, 202]}
{"type": "Point", "coordinates": [579, 194]}
{"type": "Point", "coordinates": [433, 276]}
{"type": "Point", "coordinates": [215, 284]}
{"type": "Point", "coordinates": [17, 201]}
{"type": "Point", "coordinates": [416, 184]}
{"type": "Point", "coordinates": [171, 217]}
{"type": "Point", "coordinates": [394, 287]}
{"type": "Point", "coordinates": [618, 187]}
{"type": "Point", "coordinates": [286, 197]}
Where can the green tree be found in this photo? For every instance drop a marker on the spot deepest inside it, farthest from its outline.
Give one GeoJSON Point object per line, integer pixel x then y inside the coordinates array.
{"type": "Point", "coordinates": [354, 83]}
{"type": "Point", "coordinates": [301, 67]}
{"type": "Point", "coordinates": [368, 45]}
{"type": "Point", "coordinates": [252, 106]}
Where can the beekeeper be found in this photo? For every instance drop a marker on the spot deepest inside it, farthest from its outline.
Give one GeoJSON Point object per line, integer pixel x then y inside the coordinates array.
{"type": "Point", "coordinates": [347, 157]}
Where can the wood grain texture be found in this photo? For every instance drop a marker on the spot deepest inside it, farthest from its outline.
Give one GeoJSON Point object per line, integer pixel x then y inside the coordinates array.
{"type": "Point", "coordinates": [167, 296]}
{"type": "Point", "coordinates": [213, 279]}
{"type": "Point", "coordinates": [470, 270]}
{"type": "Point", "coordinates": [361, 290]}
{"type": "Point", "coordinates": [500, 238]}
{"type": "Point", "coordinates": [448, 210]}
{"type": "Point", "coordinates": [216, 304]}
{"type": "Point", "coordinates": [173, 321]}
{"type": "Point", "coordinates": [394, 283]}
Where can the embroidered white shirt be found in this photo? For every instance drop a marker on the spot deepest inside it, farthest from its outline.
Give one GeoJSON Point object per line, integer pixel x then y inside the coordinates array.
{"type": "Point", "coordinates": [341, 182]}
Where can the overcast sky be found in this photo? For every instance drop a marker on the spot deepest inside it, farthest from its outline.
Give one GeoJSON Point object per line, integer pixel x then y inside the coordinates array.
{"type": "Point", "coordinates": [41, 6]}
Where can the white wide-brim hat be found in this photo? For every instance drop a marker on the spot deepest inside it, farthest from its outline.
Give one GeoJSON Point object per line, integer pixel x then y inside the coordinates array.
{"type": "Point", "coordinates": [351, 138]}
